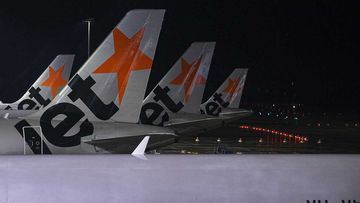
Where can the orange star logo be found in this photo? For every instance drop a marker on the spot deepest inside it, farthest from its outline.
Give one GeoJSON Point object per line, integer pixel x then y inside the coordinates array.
{"type": "Point", "coordinates": [127, 57]}
{"type": "Point", "coordinates": [189, 76]}
{"type": "Point", "coordinates": [232, 87]}
{"type": "Point", "coordinates": [55, 80]}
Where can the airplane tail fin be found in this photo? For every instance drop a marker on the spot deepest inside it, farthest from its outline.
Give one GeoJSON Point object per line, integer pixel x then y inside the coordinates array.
{"type": "Point", "coordinates": [184, 83]}
{"type": "Point", "coordinates": [112, 82]}
{"type": "Point", "coordinates": [50, 82]}
{"type": "Point", "coordinates": [228, 94]}
{"type": "Point", "coordinates": [234, 93]}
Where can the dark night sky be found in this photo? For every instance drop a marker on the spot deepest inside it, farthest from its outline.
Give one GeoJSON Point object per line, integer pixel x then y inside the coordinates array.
{"type": "Point", "coordinates": [310, 44]}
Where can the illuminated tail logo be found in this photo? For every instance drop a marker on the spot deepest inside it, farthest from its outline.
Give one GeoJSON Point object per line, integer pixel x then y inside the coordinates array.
{"type": "Point", "coordinates": [189, 77]}
{"type": "Point", "coordinates": [232, 89]}
{"type": "Point", "coordinates": [127, 57]}
{"type": "Point", "coordinates": [46, 87]}
{"type": "Point", "coordinates": [228, 95]}
{"type": "Point", "coordinates": [182, 87]}
{"type": "Point", "coordinates": [109, 86]}
{"type": "Point", "coordinates": [55, 80]}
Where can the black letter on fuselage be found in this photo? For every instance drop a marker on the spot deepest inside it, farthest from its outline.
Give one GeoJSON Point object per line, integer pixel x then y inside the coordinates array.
{"type": "Point", "coordinates": [30, 104]}
{"type": "Point", "coordinates": [81, 89]}
{"type": "Point", "coordinates": [218, 98]}
{"type": "Point", "coordinates": [35, 93]}
{"type": "Point", "coordinates": [156, 111]}
{"type": "Point", "coordinates": [161, 94]}
{"type": "Point", "coordinates": [56, 135]}
{"type": "Point", "coordinates": [212, 108]}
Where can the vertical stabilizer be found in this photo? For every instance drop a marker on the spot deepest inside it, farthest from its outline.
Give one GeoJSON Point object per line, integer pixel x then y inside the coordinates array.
{"type": "Point", "coordinates": [182, 88]}
{"type": "Point", "coordinates": [47, 86]}
{"type": "Point", "coordinates": [228, 95]}
{"type": "Point", "coordinates": [112, 82]}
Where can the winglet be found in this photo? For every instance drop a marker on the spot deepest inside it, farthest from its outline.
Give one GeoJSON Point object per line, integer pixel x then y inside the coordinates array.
{"type": "Point", "coordinates": [139, 152]}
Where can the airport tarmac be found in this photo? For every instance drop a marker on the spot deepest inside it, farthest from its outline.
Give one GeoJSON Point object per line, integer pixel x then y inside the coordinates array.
{"type": "Point", "coordinates": [256, 135]}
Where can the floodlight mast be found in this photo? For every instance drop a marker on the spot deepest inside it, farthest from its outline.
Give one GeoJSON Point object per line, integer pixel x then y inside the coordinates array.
{"type": "Point", "coordinates": [88, 22]}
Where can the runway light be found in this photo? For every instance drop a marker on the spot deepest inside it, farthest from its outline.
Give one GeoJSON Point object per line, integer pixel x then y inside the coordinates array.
{"type": "Point", "coordinates": [218, 140]}
{"type": "Point", "coordinates": [284, 141]}
{"type": "Point", "coordinates": [240, 140]}
{"type": "Point", "coordinates": [301, 141]}
{"type": "Point", "coordinates": [319, 141]}
{"type": "Point", "coordinates": [261, 140]}
{"type": "Point", "coordinates": [273, 132]}
{"type": "Point", "coordinates": [197, 139]}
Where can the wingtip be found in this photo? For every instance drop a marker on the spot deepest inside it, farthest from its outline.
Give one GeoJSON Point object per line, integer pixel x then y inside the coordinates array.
{"type": "Point", "coordinates": [140, 149]}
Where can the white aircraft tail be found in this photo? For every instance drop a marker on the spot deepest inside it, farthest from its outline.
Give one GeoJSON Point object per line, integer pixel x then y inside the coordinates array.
{"type": "Point", "coordinates": [48, 85]}
{"type": "Point", "coordinates": [182, 88]}
{"type": "Point", "coordinates": [228, 95]}
{"type": "Point", "coordinates": [112, 82]}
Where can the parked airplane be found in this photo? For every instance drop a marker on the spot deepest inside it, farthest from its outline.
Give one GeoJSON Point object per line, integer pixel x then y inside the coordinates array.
{"type": "Point", "coordinates": [110, 86]}
{"type": "Point", "coordinates": [176, 99]}
{"type": "Point", "coordinates": [45, 88]}
{"type": "Point", "coordinates": [226, 99]}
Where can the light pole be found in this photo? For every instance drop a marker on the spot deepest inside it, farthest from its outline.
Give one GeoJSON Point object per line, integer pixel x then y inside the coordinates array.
{"type": "Point", "coordinates": [88, 21]}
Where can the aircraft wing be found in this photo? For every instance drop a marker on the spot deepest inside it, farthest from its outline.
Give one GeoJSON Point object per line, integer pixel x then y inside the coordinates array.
{"type": "Point", "coordinates": [231, 114]}
{"type": "Point", "coordinates": [123, 138]}
{"type": "Point", "coordinates": [125, 145]}
{"type": "Point", "coordinates": [190, 124]}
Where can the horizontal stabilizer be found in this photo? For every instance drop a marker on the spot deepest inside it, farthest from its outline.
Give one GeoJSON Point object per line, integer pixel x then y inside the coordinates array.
{"type": "Point", "coordinates": [125, 145]}
{"type": "Point", "coordinates": [190, 124]}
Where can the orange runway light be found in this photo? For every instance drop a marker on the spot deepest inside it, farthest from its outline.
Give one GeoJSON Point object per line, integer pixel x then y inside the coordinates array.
{"type": "Point", "coordinates": [301, 139]}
